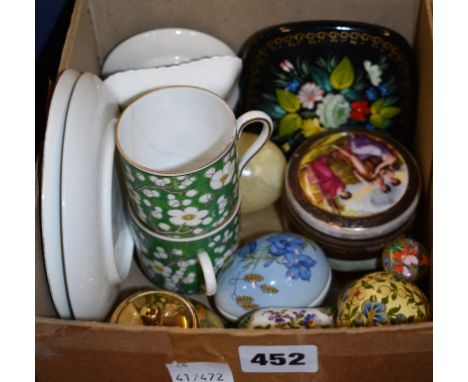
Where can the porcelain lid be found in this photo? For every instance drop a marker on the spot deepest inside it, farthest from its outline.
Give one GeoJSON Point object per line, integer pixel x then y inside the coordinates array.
{"type": "Point", "coordinates": [155, 308]}
{"type": "Point", "coordinates": [280, 269]}
{"type": "Point", "coordinates": [353, 184]}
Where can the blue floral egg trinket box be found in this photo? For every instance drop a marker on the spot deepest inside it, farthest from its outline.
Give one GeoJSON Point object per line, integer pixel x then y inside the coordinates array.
{"type": "Point", "coordinates": [282, 270]}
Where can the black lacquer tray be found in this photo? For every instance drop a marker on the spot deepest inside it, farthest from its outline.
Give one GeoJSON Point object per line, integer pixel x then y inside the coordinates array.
{"type": "Point", "coordinates": [319, 75]}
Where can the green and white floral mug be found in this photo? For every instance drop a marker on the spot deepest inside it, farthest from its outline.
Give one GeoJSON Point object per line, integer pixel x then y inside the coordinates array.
{"type": "Point", "coordinates": [187, 265]}
{"type": "Point", "coordinates": [178, 151]}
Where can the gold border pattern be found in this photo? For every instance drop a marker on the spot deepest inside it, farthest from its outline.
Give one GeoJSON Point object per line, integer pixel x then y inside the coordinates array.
{"type": "Point", "coordinates": [312, 38]}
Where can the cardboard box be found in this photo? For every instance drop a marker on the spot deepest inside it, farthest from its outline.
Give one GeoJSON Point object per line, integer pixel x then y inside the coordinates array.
{"type": "Point", "coordinates": [92, 351]}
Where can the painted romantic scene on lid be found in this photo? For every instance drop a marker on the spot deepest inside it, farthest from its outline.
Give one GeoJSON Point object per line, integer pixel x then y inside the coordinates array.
{"type": "Point", "coordinates": [353, 174]}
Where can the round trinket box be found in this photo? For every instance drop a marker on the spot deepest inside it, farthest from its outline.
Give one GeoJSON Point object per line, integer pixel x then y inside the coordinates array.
{"type": "Point", "coordinates": [156, 308]}
{"type": "Point", "coordinates": [352, 189]}
{"type": "Point", "coordinates": [381, 298]}
{"type": "Point", "coordinates": [365, 254]}
{"type": "Point", "coordinates": [406, 258]}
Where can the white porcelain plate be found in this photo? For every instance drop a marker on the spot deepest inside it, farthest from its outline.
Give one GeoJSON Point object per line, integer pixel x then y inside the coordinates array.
{"type": "Point", "coordinates": [164, 47]}
{"type": "Point", "coordinates": [97, 243]}
{"type": "Point", "coordinates": [50, 191]}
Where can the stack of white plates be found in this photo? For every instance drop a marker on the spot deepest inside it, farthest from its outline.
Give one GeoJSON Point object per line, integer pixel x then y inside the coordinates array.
{"type": "Point", "coordinates": [87, 243]}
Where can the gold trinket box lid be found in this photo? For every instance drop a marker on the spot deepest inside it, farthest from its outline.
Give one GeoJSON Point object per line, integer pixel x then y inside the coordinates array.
{"type": "Point", "coordinates": [155, 308]}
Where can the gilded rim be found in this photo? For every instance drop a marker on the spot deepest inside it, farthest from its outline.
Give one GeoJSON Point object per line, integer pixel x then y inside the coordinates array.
{"type": "Point", "coordinates": [180, 172]}
{"type": "Point", "coordinates": [186, 304]}
{"type": "Point", "coordinates": [344, 249]}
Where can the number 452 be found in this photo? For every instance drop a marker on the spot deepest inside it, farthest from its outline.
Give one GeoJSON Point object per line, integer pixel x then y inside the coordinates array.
{"type": "Point", "coordinates": [278, 359]}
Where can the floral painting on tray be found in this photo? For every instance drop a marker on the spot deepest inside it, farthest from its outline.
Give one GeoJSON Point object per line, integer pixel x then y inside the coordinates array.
{"type": "Point", "coordinates": [315, 76]}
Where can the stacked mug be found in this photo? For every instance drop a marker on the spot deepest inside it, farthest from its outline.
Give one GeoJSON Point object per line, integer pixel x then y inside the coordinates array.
{"type": "Point", "coordinates": [178, 156]}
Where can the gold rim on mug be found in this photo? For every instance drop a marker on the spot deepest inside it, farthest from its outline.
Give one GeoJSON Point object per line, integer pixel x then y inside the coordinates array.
{"type": "Point", "coordinates": [137, 221]}
{"type": "Point", "coordinates": [177, 172]}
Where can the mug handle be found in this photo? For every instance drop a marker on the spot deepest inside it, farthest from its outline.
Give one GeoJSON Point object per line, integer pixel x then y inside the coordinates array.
{"type": "Point", "coordinates": [208, 273]}
{"type": "Point", "coordinates": [267, 128]}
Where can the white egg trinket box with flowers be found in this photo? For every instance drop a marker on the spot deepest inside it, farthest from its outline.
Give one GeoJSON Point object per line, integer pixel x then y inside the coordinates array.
{"type": "Point", "coordinates": [281, 270]}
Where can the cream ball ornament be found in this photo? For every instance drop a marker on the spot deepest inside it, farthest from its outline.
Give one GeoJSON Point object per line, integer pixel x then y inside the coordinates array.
{"type": "Point", "coordinates": [261, 181]}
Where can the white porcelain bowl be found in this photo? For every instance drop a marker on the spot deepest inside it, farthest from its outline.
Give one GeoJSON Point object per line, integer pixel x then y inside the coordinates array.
{"type": "Point", "coordinates": [162, 47]}
{"type": "Point", "coordinates": [217, 74]}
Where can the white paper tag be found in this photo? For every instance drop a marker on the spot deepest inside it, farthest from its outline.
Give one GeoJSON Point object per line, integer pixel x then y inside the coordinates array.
{"type": "Point", "coordinates": [200, 372]}
{"type": "Point", "coordinates": [279, 359]}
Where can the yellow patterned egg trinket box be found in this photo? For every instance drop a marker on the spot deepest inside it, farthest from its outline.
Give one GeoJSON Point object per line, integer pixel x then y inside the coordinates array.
{"type": "Point", "coordinates": [381, 298]}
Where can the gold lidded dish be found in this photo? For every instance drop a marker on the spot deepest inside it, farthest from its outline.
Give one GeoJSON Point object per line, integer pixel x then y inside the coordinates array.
{"type": "Point", "coordinates": [156, 308]}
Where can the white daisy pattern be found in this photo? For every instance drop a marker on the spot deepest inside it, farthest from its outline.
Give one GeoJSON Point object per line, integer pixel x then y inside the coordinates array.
{"type": "Point", "coordinates": [141, 248]}
{"type": "Point", "coordinates": [207, 220]}
{"type": "Point", "coordinates": [205, 198]}
{"type": "Point", "coordinates": [141, 214]}
{"type": "Point", "coordinates": [227, 236]}
{"type": "Point", "coordinates": [219, 262]}
{"type": "Point", "coordinates": [190, 278]}
{"type": "Point", "coordinates": [161, 269]}
{"type": "Point", "coordinates": [161, 182]}
{"type": "Point", "coordinates": [129, 174]}
{"type": "Point", "coordinates": [148, 267]}
{"type": "Point", "coordinates": [172, 201]}
{"type": "Point", "coordinates": [164, 226]}
{"type": "Point", "coordinates": [190, 216]}
{"type": "Point", "coordinates": [173, 268]}
{"type": "Point", "coordinates": [186, 182]}
{"type": "Point", "coordinates": [179, 206]}
{"type": "Point", "coordinates": [210, 172]}
{"type": "Point", "coordinates": [224, 176]}
{"type": "Point", "coordinates": [160, 253]}
{"type": "Point", "coordinates": [220, 249]}
{"type": "Point", "coordinates": [157, 212]}
{"type": "Point", "coordinates": [222, 203]}
{"type": "Point", "coordinates": [151, 193]}
{"type": "Point", "coordinates": [135, 196]}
